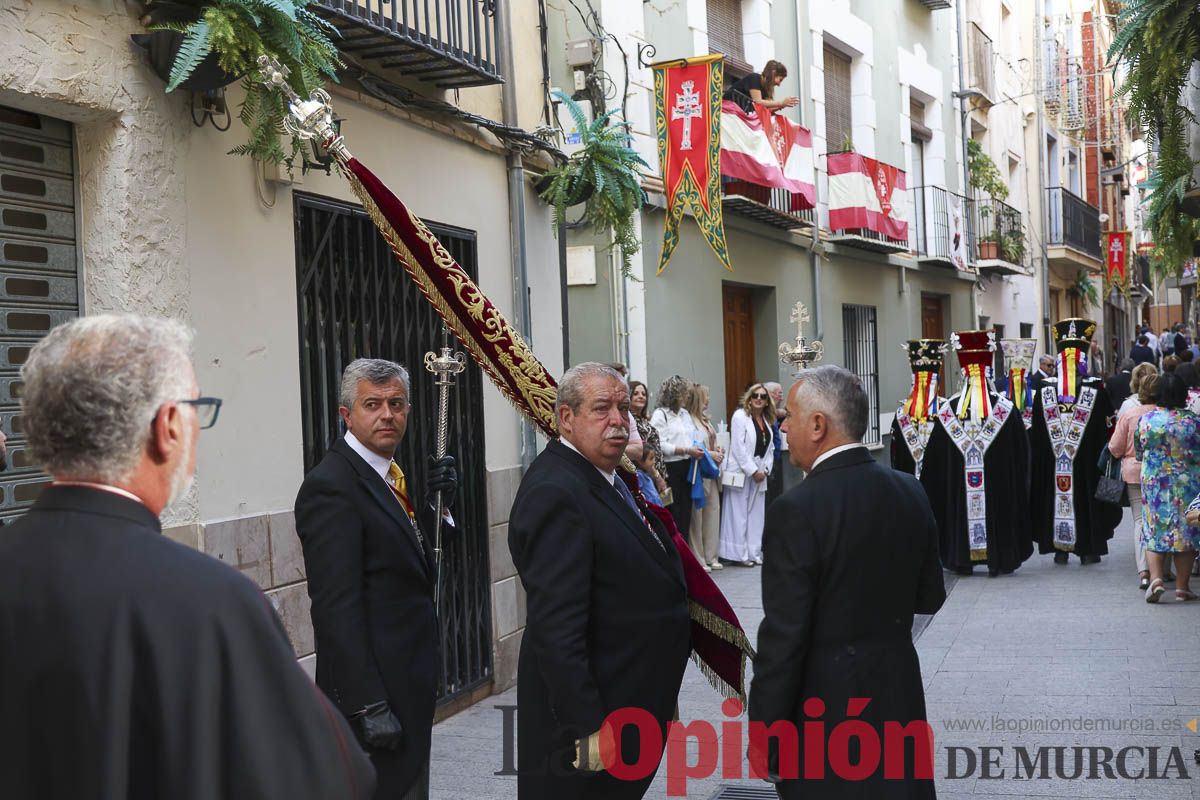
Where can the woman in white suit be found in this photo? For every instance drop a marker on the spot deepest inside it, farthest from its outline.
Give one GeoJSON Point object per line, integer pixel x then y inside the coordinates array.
{"type": "Point", "coordinates": [751, 453]}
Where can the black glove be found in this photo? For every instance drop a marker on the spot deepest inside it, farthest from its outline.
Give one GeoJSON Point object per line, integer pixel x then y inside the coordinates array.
{"type": "Point", "coordinates": [378, 727]}
{"type": "Point", "coordinates": [442, 478]}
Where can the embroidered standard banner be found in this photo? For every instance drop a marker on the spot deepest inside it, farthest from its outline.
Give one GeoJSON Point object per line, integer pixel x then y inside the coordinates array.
{"type": "Point", "coordinates": [973, 438]}
{"type": "Point", "coordinates": [1065, 426]}
{"type": "Point", "coordinates": [687, 113]}
{"type": "Point", "coordinates": [916, 435]}
{"type": "Point", "coordinates": [768, 150]}
{"type": "Point", "coordinates": [1116, 248]}
{"type": "Point", "coordinates": [865, 193]}
{"type": "Point", "coordinates": [1019, 353]}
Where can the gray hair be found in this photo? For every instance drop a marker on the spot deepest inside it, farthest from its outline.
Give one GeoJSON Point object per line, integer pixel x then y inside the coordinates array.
{"type": "Point", "coordinates": [93, 387]}
{"type": "Point", "coordinates": [839, 395]}
{"type": "Point", "coordinates": [377, 371]}
{"type": "Point", "coordinates": [570, 387]}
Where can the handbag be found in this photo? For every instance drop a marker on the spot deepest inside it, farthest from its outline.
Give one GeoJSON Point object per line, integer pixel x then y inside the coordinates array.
{"type": "Point", "coordinates": [1111, 488]}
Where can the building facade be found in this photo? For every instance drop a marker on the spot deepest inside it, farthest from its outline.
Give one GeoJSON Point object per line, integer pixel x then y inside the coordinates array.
{"type": "Point", "coordinates": [118, 196]}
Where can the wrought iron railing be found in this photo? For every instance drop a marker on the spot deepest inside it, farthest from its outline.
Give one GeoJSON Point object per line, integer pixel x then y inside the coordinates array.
{"type": "Point", "coordinates": [998, 234]}
{"type": "Point", "coordinates": [779, 201]}
{"type": "Point", "coordinates": [445, 42]}
{"type": "Point", "coordinates": [934, 227]}
{"type": "Point", "coordinates": [983, 70]}
{"type": "Point", "coordinates": [1072, 222]}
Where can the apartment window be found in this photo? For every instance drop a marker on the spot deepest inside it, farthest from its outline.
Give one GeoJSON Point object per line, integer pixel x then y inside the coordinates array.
{"type": "Point", "coordinates": [725, 36]}
{"type": "Point", "coordinates": [1026, 330]}
{"type": "Point", "coordinates": [838, 127]}
{"type": "Point", "coordinates": [860, 332]}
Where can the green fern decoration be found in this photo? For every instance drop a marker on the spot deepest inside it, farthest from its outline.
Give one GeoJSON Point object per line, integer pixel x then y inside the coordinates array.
{"type": "Point", "coordinates": [607, 167]}
{"type": "Point", "coordinates": [1084, 288]}
{"type": "Point", "coordinates": [1158, 40]}
{"type": "Point", "coordinates": [239, 31]}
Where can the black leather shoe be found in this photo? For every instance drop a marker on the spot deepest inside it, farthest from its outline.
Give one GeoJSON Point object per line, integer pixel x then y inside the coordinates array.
{"type": "Point", "coordinates": [993, 572]}
{"type": "Point", "coordinates": [963, 570]}
{"type": "Point", "coordinates": [1085, 560]}
{"type": "Point", "coordinates": [1060, 557]}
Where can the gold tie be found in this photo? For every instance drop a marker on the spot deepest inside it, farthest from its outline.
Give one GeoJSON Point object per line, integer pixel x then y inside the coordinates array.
{"type": "Point", "coordinates": [399, 486]}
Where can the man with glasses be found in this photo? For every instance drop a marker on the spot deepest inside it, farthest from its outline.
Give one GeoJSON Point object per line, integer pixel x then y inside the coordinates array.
{"type": "Point", "coordinates": [130, 665]}
{"type": "Point", "coordinates": [368, 553]}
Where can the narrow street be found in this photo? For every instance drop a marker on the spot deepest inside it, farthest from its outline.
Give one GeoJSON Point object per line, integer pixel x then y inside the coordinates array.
{"type": "Point", "coordinates": [1049, 657]}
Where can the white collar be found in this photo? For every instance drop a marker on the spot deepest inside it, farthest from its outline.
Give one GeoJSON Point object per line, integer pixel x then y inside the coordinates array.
{"type": "Point", "coordinates": [831, 453]}
{"type": "Point", "coordinates": [103, 487]}
{"type": "Point", "coordinates": [373, 459]}
{"type": "Point", "coordinates": [611, 477]}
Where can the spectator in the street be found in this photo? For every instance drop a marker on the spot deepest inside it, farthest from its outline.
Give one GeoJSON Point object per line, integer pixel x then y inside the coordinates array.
{"type": "Point", "coordinates": [368, 541]}
{"type": "Point", "coordinates": [1170, 363]}
{"type": "Point", "coordinates": [1179, 341]}
{"type": "Point", "coordinates": [132, 666]}
{"type": "Point", "coordinates": [751, 458]}
{"type": "Point", "coordinates": [705, 535]}
{"type": "Point", "coordinates": [1151, 342]}
{"type": "Point", "coordinates": [1138, 404]}
{"type": "Point", "coordinates": [1119, 386]}
{"type": "Point", "coordinates": [607, 623]}
{"type": "Point", "coordinates": [1166, 342]}
{"type": "Point", "coordinates": [1044, 376]}
{"type": "Point", "coordinates": [1187, 370]}
{"type": "Point", "coordinates": [841, 582]}
{"type": "Point", "coordinates": [1142, 353]}
{"type": "Point", "coordinates": [634, 448]}
{"type": "Point", "coordinates": [1168, 445]}
{"type": "Point", "coordinates": [775, 480]}
{"type": "Point", "coordinates": [675, 440]}
{"type": "Point", "coordinates": [639, 400]}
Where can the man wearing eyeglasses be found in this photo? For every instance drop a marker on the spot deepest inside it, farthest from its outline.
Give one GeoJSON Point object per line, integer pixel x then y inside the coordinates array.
{"type": "Point", "coordinates": [368, 551]}
{"type": "Point", "coordinates": [130, 665]}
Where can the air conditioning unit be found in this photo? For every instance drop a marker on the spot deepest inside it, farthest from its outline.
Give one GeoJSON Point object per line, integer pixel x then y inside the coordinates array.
{"type": "Point", "coordinates": [572, 139]}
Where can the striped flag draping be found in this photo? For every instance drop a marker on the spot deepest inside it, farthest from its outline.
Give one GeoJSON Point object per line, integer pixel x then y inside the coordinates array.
{"type": "Point", "coordinates": [769, 150]}
{"type": "Point", "coordinates": [869, 194]}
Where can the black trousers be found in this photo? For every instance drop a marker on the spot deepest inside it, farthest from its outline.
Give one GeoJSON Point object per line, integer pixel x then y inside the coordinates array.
{"type": "Point", "coordinates": [681, 492]}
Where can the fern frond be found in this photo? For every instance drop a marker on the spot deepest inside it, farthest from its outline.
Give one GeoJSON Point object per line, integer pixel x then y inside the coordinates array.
{"type": "Point", "coordinates": [193, 50]}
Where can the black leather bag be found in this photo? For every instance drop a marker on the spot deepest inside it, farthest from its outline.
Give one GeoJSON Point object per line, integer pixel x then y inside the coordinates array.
{"type": "Point", "coordinates": [1111, 488]}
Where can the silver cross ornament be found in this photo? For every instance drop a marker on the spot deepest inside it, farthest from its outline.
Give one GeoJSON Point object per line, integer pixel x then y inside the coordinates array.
{"type": "Point", "coordinates": [803, 353]}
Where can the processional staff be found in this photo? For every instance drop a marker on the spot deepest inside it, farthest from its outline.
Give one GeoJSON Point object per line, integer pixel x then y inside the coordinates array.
{"type": "Point", "coordinates": [445, 367]}
{"type": "Point", "coordinates": [803, 352]}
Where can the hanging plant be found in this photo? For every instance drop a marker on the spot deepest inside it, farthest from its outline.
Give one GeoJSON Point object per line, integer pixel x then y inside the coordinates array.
{"type": "Point", "coordinates": [604, 175]}
{"type": "Point", "coordinates": [237, 32]}
{"type": "Point", "coordinates": [1084, 288]}
{"type": "Point", "coordinates": [1157, 40]}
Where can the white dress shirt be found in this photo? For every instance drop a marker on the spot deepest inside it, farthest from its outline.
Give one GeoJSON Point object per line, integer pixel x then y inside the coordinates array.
{"type": "Point", "coordinates": [675, 432]}
{"type": "Point", "coordinates": [611, 477]}
{"type": "Point", "coordinates": [831, 453]}
{"type": "Point", "coordinates": [381, 465]}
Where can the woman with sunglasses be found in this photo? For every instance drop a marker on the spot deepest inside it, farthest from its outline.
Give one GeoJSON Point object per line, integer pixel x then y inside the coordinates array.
{"type": "Point", "coordinates": [751, 455]}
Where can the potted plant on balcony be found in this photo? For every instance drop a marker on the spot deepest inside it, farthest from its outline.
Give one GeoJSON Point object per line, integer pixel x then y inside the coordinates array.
{"type": "Point", "coordinates": [1012, 246]}
{"type": "Point", "coordinates": [228, 36]}
{"type": "Point", "coordinates": [1084, 289]}
{"type": "Point", "coordinates": [604, 175]}
{"type": "Point", "coordinates": [984, 177]}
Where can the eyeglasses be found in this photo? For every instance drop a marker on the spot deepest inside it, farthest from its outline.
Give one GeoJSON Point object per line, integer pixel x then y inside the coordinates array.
{"type": "Point", "coordinates": [758, 396]}
{"type": "Point", "coordinates": [207, 409]}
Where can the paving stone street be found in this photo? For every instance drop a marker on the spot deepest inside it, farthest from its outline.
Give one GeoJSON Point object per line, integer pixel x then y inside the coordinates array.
{"type": "Point", "coordinates": [1029, 660]}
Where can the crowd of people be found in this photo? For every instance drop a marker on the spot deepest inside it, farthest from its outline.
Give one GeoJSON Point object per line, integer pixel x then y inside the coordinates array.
{"type": "Point", "coordinates": [715, 478]}
{"type": "Point", "coordinates": [1157, 438]}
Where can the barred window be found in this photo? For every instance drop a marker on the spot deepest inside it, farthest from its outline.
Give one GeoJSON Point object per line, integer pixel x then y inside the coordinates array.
{"type": "Point", "coordinates": [860, 332]}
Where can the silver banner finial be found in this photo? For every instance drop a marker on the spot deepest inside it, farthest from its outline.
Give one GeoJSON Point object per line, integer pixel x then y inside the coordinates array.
{"type": "Point", "coordinates": [307, 119]}
{"type": "Point", "coordinates": [802, 353]}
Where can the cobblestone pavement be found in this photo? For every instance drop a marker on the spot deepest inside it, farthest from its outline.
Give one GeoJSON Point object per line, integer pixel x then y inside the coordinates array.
{"type": "Point", "coordinates": [1051, 656]}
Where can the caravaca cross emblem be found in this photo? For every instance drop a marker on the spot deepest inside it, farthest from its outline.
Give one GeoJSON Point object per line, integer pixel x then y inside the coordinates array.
{"type": "Point", "coordinates": [687, 108]}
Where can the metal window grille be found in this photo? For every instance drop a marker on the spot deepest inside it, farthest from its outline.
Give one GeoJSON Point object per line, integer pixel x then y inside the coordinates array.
{"type": "Point", "coordinates": [355, 300]}
{"type": "Point", "coordinates": [838, 125]}
{"type": "Point", "coordinates": [39, 281]}
{"type": "Point", "coordinates": [860, 332]}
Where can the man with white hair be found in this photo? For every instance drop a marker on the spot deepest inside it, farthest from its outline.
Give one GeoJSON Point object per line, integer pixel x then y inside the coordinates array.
{"type": "Point", "coordinates": [132, 666]}
{"type": "Point", "coordinates": [607, 610]}
{"type": "Point", "coordinates": [842, 579]}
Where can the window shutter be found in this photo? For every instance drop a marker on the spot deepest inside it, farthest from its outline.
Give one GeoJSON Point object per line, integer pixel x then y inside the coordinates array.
{"type": "Point", "coordinates": [725, 37]}
{"type": "Point", "coordinates": [837, 99]}
{"type": "Point", "coordinates": [916, 115]}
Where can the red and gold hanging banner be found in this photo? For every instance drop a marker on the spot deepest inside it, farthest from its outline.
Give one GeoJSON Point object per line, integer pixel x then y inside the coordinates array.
{"type": "Point", "coordinates": [688, 121]}
{"type": "Point", "coordinates": [1116, 251]}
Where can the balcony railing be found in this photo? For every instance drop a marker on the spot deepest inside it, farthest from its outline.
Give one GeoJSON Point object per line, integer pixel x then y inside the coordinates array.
{"type": "Point", "coordinates": [983, 71]}
{"type": "Point", "coordinates": [999, 236]}
{"type": "Point", "coordinates": [448, 43]}
{"type": "Point", "coordinates": [933, 228]}
{"type": "Point", "coordinates": [1071, 222]}
{"type": "Point", "coordinates": [778, 208]}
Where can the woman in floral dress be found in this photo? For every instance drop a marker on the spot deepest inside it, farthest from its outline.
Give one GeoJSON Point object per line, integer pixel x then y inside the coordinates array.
{"type": "Point", "coordinates": [1168, 445]}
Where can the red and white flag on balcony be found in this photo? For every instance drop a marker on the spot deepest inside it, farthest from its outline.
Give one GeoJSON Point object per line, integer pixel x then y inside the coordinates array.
{"type": "Point", "coordinates": [869, 194]}
{"type": "Point", "coordinates": [769, 150]}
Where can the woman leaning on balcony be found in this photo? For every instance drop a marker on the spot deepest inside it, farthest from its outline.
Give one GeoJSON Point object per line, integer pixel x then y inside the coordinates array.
{"type": "Point", "coordinates": [760, 88]}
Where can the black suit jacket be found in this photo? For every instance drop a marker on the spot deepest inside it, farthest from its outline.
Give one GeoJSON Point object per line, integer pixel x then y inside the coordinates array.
{"type": "Point", "coordinates": [849, 556]}
{"type": "Point", "coordinates": [607, 621]}
{"type": "Point", "coordinates": [1118, 387]}
{"type": "Point", "coordinates": [135, 667]}
{"type": "Point", "coordinates": [371, 586]}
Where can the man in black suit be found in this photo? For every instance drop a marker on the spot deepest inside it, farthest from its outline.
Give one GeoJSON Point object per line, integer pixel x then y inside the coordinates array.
{"type": "Point", "coordinates": [1044, 376]}
{"type": "Point", "coordinates": [368, 553]}
{"type": "Point", "coordinates": [1118, 385]}
{"type": "Point", "coordinates": [1142, 353]}
{"type": "Point", "coordinates": [607, 612]}
{"type": "Point", "coordinates": [132, 666]}
{"type": "Point", "coordinates": [842, 579]}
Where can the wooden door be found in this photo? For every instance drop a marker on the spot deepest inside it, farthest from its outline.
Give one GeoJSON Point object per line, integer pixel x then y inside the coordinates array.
{"type": "Point", "coordinates": [738, 311]}
{"type": "Point", "coordinates": [933, 326]}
